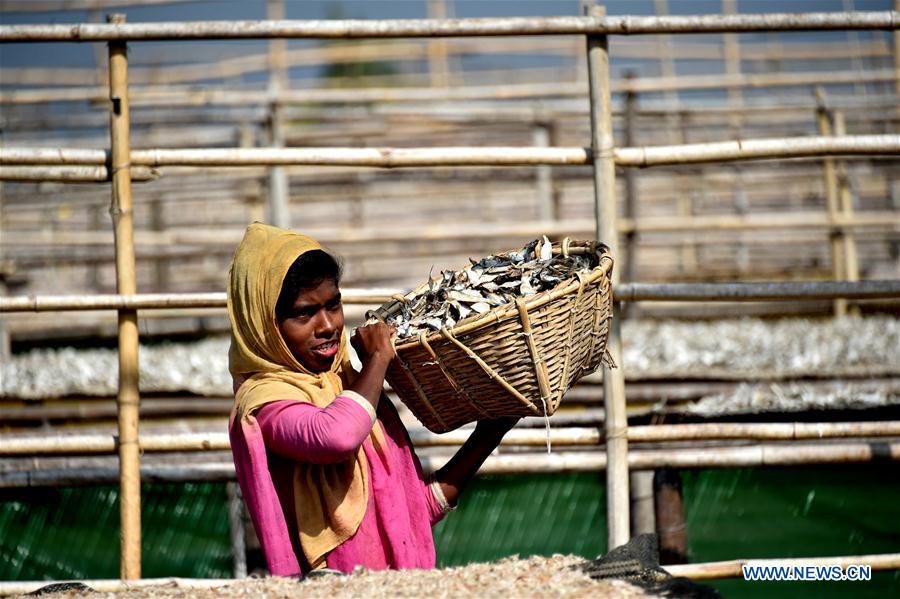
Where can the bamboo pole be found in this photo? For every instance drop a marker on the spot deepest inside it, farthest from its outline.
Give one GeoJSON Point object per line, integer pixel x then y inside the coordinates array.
{"type": "Point", "coordinates": [643, 516]}
{"type": "Point", "coordinates": [835, 241]}
{"type": "Point", "coordinates": [70, 174]}
{"type": "Point", "coordinates": [849, 254]}
{"type": "Point", "coordinates": [733, 568]}
{"type": "Point", "coordinates": [631, 198]}
{"type": "Point", "coordinates": [278, 192]}
{"type": "Point", "coordinates": [234, 67]}
{"type": "Point", "coordinates": [631, 292]}
{"type": "Point", "coordinates": [128, 395]}
{"type": "Point", "coordinates": [438, 63]}
{"type": "Point", "coordinates": [670, 520]}
{"type": "Point", "coordinates": [190, 96]}
{"type": "Point", "coordinates": [237, 530]}
{"type": "Point", "coordinates": [106, 444]}
{"type": "Point", "coordinates": [753, 292]}
{"type": "Point", "coordinates": [602, 144]}
{"type": "Point", "coordinates": [748, 456]}
{"type": "Point", "coordinates": [886, 221]}
{"type": "Point", "coordinates": [896, 36]}
{"type": "Point", "coordinates": [733, 69]}
{"type": "Point", "coordinates": [751, 149]}
{"type": "Point", "coordinates": [540, 136]}
{"type": "Point", "coordinates": [387, 28]}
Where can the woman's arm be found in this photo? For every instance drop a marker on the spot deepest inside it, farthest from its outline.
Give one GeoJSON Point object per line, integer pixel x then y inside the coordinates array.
{"type": "Point", "coordinates": [456, 474]}
{"type": "Point", "coordinates": [304, 432]}
{"type": "Point", "coordinates": [375, 349]}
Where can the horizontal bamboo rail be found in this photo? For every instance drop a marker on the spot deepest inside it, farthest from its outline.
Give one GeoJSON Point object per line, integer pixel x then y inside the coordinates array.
{"type": "Point", "coordinates": [43, 445]}
{"type": "Point", "coordinates": [351, 29]}
{"type": "Point", "coordinates": [229, 67]}
{"type": "Point", "coordinates": [752, 149]}
{"type": "Point", "coordinates": [755, 292]}
{"type": "Point", "coordinates": [756, 455]}
{"type": "Point", "coordinates": [634, 292]}
{"type": "Point", "coordinates": [732, 568]}
{"type": "Point", "coordinates": [71, 174]}
{"type": "Point", "coordinates": [190, 96]}
{"type": "Point", "coordinates": [146, 301]}
{"type": "Point", "coordinates": [881, 220]}
{"type": "Point", "coordinates": [146, 97]}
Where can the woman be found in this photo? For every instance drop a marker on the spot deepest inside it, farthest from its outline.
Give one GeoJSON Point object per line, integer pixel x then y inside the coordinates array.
{"type": "Point", "coordinates": [326, 467]}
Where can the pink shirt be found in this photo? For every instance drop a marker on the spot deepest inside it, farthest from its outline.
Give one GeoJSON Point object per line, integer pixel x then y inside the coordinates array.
{"type": "Point", "coordinates": [402, 507]}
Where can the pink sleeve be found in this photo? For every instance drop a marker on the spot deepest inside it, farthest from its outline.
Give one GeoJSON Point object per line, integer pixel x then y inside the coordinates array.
{"type": "Point", "coordinates": [306, 433]}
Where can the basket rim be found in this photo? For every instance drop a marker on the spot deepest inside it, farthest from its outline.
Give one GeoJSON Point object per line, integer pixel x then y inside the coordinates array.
{"type": "Point", "coordinates": [509, 309]}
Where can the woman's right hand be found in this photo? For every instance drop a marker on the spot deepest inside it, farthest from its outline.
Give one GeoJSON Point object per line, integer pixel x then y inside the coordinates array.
{"type": "Point", "coordinates": [373, 340]}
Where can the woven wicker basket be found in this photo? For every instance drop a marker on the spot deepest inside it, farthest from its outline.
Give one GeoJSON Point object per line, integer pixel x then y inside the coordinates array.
{"type": "Point", "coordinates": [518, 359]}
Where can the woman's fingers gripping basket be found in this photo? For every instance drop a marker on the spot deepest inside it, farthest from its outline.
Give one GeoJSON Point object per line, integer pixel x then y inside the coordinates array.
{"type": "Point", "coordinates": [505, 336]}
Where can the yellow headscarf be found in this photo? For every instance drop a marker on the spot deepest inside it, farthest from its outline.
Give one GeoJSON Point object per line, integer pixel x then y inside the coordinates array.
{"type": "Point", "coordinates": [330, 499]}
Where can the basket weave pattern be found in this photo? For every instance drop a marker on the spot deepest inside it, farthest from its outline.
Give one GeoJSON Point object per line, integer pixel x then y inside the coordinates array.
{"type": "Point", "coordinates": [516, 360]}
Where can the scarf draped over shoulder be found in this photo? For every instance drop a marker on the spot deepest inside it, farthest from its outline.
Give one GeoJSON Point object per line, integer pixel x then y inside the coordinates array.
{"type": "Point", "coordinates": [330, 499]}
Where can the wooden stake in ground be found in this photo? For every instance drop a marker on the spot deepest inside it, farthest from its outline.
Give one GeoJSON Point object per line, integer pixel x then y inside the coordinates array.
{"type": "Point", "coordinates": [128, 397]}
{"type": "Point", "coordinates": [617, 503]}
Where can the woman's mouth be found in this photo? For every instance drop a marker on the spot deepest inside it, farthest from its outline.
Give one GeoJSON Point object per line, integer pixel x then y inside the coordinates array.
{"type": "Point", "coordinates": [326, 350]}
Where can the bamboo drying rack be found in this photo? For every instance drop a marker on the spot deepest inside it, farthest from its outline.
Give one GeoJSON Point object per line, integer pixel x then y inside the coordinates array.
{"type": "Point", "coordinates": [595, 28]}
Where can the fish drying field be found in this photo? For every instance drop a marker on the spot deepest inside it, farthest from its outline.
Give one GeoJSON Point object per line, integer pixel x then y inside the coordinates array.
{"type": "Point", "coordinates": [788, 350]}
{"type": "Point", "coordinates": [546, 577]}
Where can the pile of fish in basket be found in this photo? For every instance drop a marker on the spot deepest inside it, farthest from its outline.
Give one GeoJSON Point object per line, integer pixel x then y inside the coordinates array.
{"type": "Point", "coordinates": [507, 335]}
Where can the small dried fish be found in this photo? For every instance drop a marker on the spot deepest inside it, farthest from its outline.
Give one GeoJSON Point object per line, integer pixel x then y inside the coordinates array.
{"type": "Point", "coordinates": [486, 284]}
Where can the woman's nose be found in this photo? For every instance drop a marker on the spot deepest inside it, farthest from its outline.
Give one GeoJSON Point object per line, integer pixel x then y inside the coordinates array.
{"type": "Point", "coordinates": [325, 324]}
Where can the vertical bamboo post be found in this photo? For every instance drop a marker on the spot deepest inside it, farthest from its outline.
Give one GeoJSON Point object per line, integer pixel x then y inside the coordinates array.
{"type": "Point", "coordinates": [630, 266]}
{"type": "Point", "coordinates": [5, 344]}
{"type": "Point", "coordinates": [438, 68]}
{"type": "Point", "coordinates": [278, 201]}
{"type": "Point", "coordinates": [126, 283]}
{"type": "Point", "coordinates": [670, 521]}
{"type": "Point", "coordinates": [237, 530]}
{"type": "Point", "coordinates": [733, 69]}
{"type": "Point", "coordinates": [823, 123]}
{"type": "Point", "coordinates": [540, 136]}
{"type": "Point", "coordinates": [617, 508]}
{"type": "Point", "coordinates": [643, 510]}
{"type": "Point", "coordinates": [160, 263]}
{"type": "Point", "coordinates": [686, 199]}
{"type": "Point", "coordinates": [850, 267]}
{"type": "Point", "coordinates": [897, 61]}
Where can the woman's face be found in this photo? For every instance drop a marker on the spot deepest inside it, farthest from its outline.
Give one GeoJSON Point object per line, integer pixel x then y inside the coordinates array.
{"type": "Point", "coordinates": [312, 329]}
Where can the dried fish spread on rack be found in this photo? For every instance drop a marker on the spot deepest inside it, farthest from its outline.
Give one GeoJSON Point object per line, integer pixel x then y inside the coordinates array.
{"type": "Point", "coordinates": [505, 336]}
